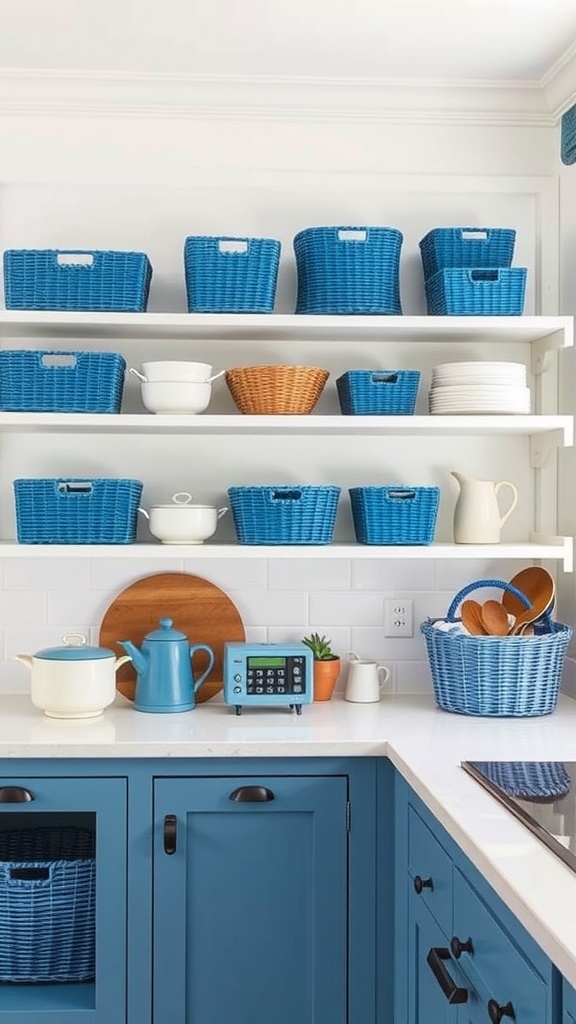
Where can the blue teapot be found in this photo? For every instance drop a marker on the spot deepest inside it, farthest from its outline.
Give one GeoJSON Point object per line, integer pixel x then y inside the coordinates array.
{"type": "Point", "coordinates": [165, 680]}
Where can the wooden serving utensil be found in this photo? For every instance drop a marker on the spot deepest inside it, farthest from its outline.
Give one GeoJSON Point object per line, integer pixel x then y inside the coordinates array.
{"type": "Point", "coordinates": [538, 587]}
{"type": "Point", "coordinates": [471, 616]}
{"type": "Point", "coordinates": [494, 618]}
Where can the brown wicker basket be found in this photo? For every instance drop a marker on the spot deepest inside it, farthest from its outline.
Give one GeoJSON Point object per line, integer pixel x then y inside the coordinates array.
{"type": "Point", "coordinates": [276, 390]}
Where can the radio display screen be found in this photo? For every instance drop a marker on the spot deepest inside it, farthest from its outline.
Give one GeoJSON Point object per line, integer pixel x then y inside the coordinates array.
{"type": "Point", "coordinates": [266, 662]}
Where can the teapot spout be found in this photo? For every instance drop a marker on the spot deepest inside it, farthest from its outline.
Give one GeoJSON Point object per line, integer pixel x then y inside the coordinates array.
{"type": "Point", "coordinates": [139, 658]}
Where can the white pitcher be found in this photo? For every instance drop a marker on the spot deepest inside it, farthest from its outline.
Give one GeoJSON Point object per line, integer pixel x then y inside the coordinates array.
{"type": "Point", "coordinates": [365, 680]}
{"type": "Point", "coordinates": [477, 516]}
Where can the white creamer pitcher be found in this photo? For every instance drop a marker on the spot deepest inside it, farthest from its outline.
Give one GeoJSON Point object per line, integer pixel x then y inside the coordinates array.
{"type": "Point", "coordinates": [477, 516]}
{"type": "Point", "coordinates": [365, 680]}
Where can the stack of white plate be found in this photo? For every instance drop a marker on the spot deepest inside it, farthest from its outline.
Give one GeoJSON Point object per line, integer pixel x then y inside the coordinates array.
{"type": "Point", "coordinates": [479, 387]}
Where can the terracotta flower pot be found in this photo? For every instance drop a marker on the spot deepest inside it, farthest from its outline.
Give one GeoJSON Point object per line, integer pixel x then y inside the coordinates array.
{"type": "Point", "coordinates": [326, 675]}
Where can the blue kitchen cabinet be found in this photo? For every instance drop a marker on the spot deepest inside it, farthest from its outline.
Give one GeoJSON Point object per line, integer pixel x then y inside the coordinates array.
{"type": "Point", "coordinates": [453, 932]}
{"type": "Point", "coordinates": [47, 814]}
{"type": "Point", "coordinates": [568, 1003]}
{"type": "Point", "coordinates": [250, 900]}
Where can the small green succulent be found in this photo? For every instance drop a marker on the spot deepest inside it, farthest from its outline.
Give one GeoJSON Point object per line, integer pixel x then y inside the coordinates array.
{"type": "Point", "coordinates": [320, 647]}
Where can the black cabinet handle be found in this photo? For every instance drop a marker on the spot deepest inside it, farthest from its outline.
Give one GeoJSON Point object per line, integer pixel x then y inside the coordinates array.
{"type": "Point", "coordinates": [457, 947]}
{"type": "Point", "coordinates": [497, 1012]}
{"type": "Point", "coordinates": [15, 795]}
{"type": "Point", "coordinates": [422, 883]}
{"type": "Point", "coordinates": [451, 990]}
{"type": "Point", "coordinates": [252, 795]}
{"type": "Point", "coordinates": [170, 834]}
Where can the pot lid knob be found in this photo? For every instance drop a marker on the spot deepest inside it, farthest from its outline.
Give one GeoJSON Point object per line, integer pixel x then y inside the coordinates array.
{"type": "Point", "coordinates": [166, 632]}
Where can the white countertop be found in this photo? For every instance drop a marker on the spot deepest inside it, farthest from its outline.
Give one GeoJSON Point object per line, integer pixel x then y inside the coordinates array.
{"type": "Point", "coordinates": [425, 744]}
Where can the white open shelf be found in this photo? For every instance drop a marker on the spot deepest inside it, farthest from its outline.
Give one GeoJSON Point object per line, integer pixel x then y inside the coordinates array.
{"type": "Point", "coordinates": [558, 428]}
{"type": "Point", "coordinates": [539, 548]}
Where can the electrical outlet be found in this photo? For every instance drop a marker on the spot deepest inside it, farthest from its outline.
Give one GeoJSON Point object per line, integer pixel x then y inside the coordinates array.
{"type": "Point", "coordinates": [398, 617]}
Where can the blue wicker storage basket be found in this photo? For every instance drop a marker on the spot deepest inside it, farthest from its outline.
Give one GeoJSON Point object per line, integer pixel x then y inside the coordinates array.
{"type": "Point", "coordinates": [74, 279]}
{"type": "Point", "coordinates": [496, 676]}
{"type": "Point", "coordinates": [497, 292]}
{"type": "Point", "coordinates": [348, 270]}
{"type": "Point", "coordinates": [378, 392]}
{"type": "Point", "coordinates": [537, 781]}
{"type": "Point", "coordinates": [55, 381]}
{"type": "Point", "coordinates": [47, 906]}
{"type": "Point", "coordinates": [76, 510]}
{"type": "Point", "coordinates": [231, 275]}
{"type": "Point", "coordinates": [443, 248]}
{"type": "Point", "coordinates": [284, 514]}
{"type": "Point", "coordinates": [394, 514]}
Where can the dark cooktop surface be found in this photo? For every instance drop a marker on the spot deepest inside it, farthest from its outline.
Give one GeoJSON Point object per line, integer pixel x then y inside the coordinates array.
{"type": "Point", "coordinates": [542, 794]}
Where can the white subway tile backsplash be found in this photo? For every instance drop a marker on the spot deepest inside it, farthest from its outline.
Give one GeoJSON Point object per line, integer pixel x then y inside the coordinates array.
{"type": "Point", "coordinates": [69, 609]}
{"type": "Point", "coordinates": [351, 608]}
{"type": "Point", "coordinates": [413, 677]}
{"type": "Point", "coordinates": [230, 573]}
{"type": "Point", "coordinates": [34, 573]}
{"type": "Point", "coordinates": [115, 574]}
{"type": "Point", "coordinates": [270, 608]}
{"type": "Point", "coordinates": [22, 608]}
{"type": "Point", "coordinates": [309, 574]}
{"type": "Point", "coordinates": [13, 678]}
{"type": "Point", "coordinates": [454, 574]}
{"type": "Point", "coordinates": [392, 576]}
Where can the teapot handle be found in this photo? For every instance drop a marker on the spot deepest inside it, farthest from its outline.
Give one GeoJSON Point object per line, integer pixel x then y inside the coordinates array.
{"type": "Point", "coordinates": [202, 647]}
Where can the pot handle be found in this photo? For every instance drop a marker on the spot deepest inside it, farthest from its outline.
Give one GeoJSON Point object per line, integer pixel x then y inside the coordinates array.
{"type": "Point", "coordinates": [144, 512]}
{"type": "Point", "coordinates": [222, 512]}
{"type": "Point", "coordinates": [121, 661]}
{"type": "Point", "coordinates": [139, 375]}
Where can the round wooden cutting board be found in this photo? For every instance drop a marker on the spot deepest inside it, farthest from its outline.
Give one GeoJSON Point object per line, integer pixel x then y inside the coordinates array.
{"type": "Point", "coordinates": [197, 608]}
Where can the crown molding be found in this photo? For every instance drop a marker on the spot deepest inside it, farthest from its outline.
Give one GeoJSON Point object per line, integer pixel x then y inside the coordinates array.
{"type": "Point", "coordinates": [218, 97]}
{"type": "Point", "coordinates": [559, 83]}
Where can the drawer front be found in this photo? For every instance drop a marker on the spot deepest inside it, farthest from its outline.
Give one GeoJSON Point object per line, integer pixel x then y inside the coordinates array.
{"type": "Point", "coordinates": [430, 870]}
{"type": "Point", "coordinates": [496, 967]}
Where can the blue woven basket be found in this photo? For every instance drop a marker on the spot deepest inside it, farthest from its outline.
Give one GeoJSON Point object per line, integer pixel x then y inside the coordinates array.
{"type": "Point", "coordinates": [231, 275]}
{"type": "Point", "coordinates": [394, 515]}
{"type": "Point", "coordinates": [378, 392]}
{"type": "Point", "coordinates": [76, 510]}
{"type": "Point", "coordinates": [47, 906]}
{"type": "Point", "coordinates": [74, 279]}
{"type": "Point", "coordinates": [537, 781]}
{"type": "Point", "coordinates": [443, 248]}
{"type": "Point", "coordinates": [348, 270]}
{"type": "Point", "coordinates": [54, 381]}
{"type": "Point", "coordinates": [497, 292]}
{"type": "Point", "coordinates": [496, 676]}
{"type": "Point", "coordinates": [284, 514]}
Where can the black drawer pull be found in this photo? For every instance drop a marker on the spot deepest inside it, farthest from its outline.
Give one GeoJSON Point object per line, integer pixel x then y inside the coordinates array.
{"type": "Point", "coordinates": [15, 795]}
{"type": "Point", "coordinates": [422, 883]}
{"type": "Point", "coordinates": [252, 795]}
{"type": "Point", "coordinates": [170, 834]}
{"type": "Point", "coordinates": [457, 947]}
{"type": "Point", "coordinates": [451, 990]}
{"type": "Point", "coordinates": [497, 1012]}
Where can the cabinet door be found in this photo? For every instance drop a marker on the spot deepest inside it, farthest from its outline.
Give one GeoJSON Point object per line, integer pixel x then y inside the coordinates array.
{"type": "Point", "coordinates": [431, 971]}
{"type": "Point", "coordinates": [250, 916]}
{"type": "Point", "coordinates": [69, 908]}
{"type": "Point", "coordinates": [568, 1003]}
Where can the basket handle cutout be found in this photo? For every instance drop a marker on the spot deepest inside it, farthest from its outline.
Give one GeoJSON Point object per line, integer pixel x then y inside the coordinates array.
{"type": "Point", "coordinates": [29, 874]}
{"type": "Point", "coordinates": [352, 235]}
{"type": "Point", "coordinates": [75, 259]}
{"type": "Point", "coordinates": [499, 584]}
{"type": "Point", "coordinates": [234, 246]}
{"type": "Point", "coordinates": [400, 495]}
{"type": "Point", "coordinates": [484, 275]}
{"type": "Point", "coordinates": [58, 361]}
{"type": "Point", "coordinates": [384, 378]}
{"type": "Point", "coordinates": [286, 495]}
{"type": "Point", "coordinates": [475, 234]}
{"type": "Point", "coordinates": [75, 488]}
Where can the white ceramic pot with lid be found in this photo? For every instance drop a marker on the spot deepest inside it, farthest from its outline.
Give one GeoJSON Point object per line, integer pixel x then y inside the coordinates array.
{"type": "Point", "coordinates": [181, 522]}
{"type": "Point", "coordinates": [72, 681]}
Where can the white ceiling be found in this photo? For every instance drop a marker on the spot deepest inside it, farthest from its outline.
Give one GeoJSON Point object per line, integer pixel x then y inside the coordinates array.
{"type": "Point", "coordinates": [479, 40]}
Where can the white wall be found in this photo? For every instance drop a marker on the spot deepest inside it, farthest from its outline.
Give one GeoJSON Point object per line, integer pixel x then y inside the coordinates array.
{"type": "Point", "coordinates": [145, 183]}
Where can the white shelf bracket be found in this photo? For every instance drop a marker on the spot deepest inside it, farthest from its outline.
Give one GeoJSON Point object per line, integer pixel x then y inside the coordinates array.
{"type": "Point", "coordinates": [544, 349]}
{"type": "Point", "coordinates": [543, 445]}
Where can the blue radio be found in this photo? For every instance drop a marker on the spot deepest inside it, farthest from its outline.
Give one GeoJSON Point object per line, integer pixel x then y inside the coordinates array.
{"type": "Point", "coordinates": [268, 674]}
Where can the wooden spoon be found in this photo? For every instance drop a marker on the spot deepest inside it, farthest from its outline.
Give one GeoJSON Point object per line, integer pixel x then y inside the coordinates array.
{"type": "Point", "coordinates": [472, 618]}
{"type": "Point", "coordinates": [494, 618]}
